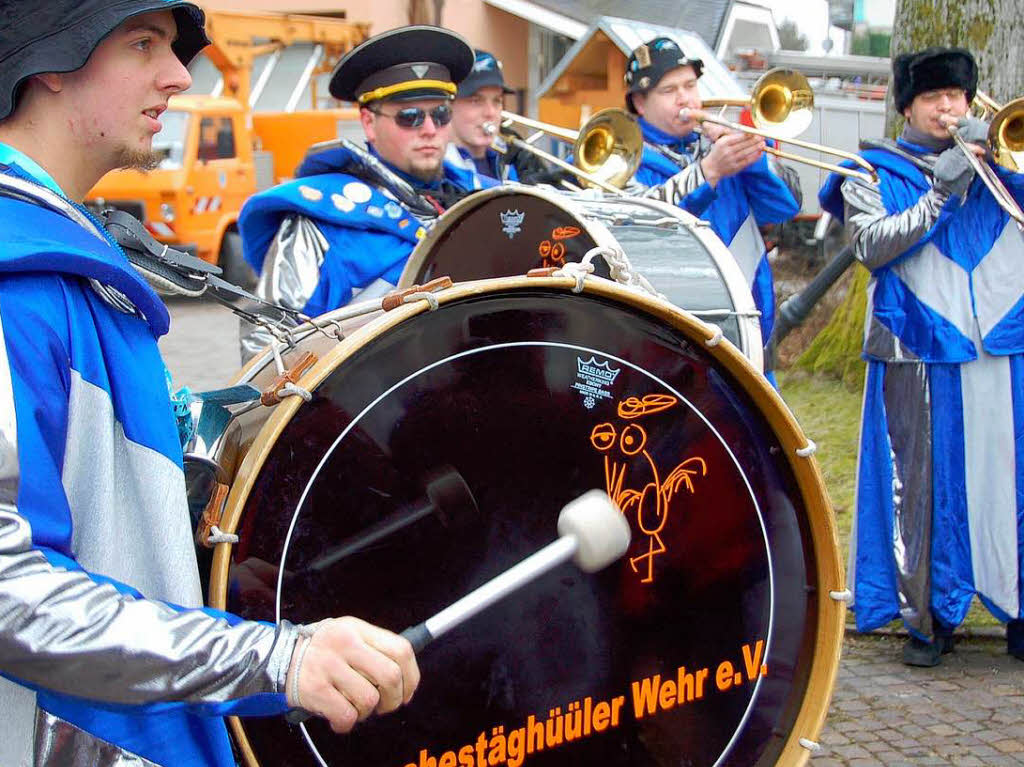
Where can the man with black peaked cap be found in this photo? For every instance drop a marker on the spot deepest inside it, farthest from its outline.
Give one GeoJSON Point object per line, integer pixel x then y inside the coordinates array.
{"type": "Point", "coordinates": [941, 467]}
{"type": "Point", "coordinates": [106, 654]}
{"type": "Point", "coordinates": [478, 106]}
{"type": "Point", "coordinates": [721, 176]}
{"type": "Point", "coordinates": [349, 221]}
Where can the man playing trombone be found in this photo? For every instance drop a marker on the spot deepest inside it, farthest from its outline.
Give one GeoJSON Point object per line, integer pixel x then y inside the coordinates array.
{"type": "Point", "coordinates": [941, 465]}
{"type": "Point", "coordinates": [725, 178]}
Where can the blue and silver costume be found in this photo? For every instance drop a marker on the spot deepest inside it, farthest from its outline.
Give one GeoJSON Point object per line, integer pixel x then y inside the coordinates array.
{"type": "Point", "coordinates": [106, 654]}
{"type": "Point", "coordinates": [764, 193]}
{"type": "Point", "coordinates": [940, 483]}
{"type": "Point", "coordinates": [344, 227]}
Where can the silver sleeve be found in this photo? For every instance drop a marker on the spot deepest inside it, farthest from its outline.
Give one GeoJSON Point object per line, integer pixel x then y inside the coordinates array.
{"type": "Point", "coordinates": [674, 189]}
{"type": "Point", "coordinates": [878, 237]}
{"type": "Point", "coordinates": [63, 631]}
{"type": "Point", "coordinates": [291, 273]}
{"type": "Point", "coordinates": [790, 177]}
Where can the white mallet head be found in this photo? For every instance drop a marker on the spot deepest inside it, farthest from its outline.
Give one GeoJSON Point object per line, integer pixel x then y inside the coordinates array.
{"type": "Point", "coordinates": [600, 529]}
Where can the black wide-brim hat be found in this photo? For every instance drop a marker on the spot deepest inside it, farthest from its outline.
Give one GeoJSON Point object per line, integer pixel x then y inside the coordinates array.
{"type": "Point", "coordinates": [930, 70]}
{"type": "Point", "coordinates": [60, 35]}
{"type": "Point", "coordinates": [402, 65]}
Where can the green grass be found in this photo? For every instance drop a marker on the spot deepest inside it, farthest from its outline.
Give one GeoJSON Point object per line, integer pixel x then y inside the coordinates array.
{"type": "Point", "coordinates": [829, 413]}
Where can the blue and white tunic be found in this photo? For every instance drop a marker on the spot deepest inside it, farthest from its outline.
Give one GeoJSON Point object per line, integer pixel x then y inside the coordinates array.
{"type": "Point", "coordinates": [106, 655]}
{"type": "Point", "coordinates": [940, 481]}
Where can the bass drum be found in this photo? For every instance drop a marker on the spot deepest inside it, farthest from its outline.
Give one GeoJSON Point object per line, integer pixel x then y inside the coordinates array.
{"type": "Point", "coordinates": [713, 640]}
{"type": "Point", "coordinates": [509, 230]}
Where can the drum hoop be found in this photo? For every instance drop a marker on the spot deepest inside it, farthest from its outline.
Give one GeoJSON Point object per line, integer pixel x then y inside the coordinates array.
{"type": "Point", "coordinates": [732, 275]}
{"type": "Point", "coordinates": [820, 516]}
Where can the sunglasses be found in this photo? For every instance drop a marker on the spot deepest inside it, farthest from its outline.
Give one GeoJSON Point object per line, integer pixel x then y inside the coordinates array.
{"type": "Point", "coordinates": [414, 117]}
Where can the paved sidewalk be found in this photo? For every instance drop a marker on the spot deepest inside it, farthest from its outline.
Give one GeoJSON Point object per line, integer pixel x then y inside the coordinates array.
{"type": "Point", "coordinates": [968, 711]}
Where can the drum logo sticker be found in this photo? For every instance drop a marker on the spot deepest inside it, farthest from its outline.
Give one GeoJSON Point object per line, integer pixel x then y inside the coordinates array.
{"type": "Point", "coordinates": [512, 222]}
{"type": "Point", "coordinates": [649, 500]}
{"type": "Point", "coordinates": [593, 379]}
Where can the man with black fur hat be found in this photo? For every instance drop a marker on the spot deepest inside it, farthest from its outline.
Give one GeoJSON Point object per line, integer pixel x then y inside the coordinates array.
{"type": "Point", "coordinates": [349, 221]}
{"type": "Point", "coordinates": [478, 106]}
{"type": "Point", "coordinates": [107, 655]}
{"type": "Point", "coordinates": [941, 467]}
{"type": "Point", "coordinates": [726, 177]}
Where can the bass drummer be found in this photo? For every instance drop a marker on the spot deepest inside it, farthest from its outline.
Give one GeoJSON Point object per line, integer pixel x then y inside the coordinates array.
{"type": "Point", "coordinates": [349, 221]}
{"type": "Point", "coordinates": [722, 176]}
{"type": "Point", "coordinates": [107, 655]}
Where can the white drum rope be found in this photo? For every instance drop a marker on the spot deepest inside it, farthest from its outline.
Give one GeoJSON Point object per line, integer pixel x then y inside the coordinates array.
{"type": "Point", "coordinates": [809, 450]}
{"type": "Point", "coordinates": [291, 390]}
{"type": "Point", "coordinates": [219, 536]}
{"type": "Point", "coordinates": [842, 596]}
{"type": "Point", "coordinates": [424, 295]}
{"type": "Point", "coordinates": [813, 746]}
{"type": "Point", "coordinates": [717, 335]}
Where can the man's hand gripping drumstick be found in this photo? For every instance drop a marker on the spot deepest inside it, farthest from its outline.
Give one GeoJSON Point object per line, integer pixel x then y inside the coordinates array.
{"type": "Point", "coordinates": [358, 669]}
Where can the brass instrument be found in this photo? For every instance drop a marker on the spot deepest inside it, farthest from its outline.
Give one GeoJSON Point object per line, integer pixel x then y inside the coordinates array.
{"type": "Point", "coordinates": [1005, 143]}
{"type": "Point", "coordinates": [781, 105]}
{"type": "Point", "coordinates": [606, 150]}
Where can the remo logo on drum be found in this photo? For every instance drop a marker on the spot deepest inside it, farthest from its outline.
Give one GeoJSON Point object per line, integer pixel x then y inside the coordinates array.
{"type": "Point", "coordinates": [512, 222]}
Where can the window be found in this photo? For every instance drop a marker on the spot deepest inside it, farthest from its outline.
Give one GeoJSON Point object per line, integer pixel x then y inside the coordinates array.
{"type": "Point", "coordinates": [216, 139]}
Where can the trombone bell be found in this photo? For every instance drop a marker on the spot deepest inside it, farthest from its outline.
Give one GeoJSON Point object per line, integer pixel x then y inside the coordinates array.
{"type": "Point", "coordinates": [609, 147]}
{"type": "Point", "coordinates": [1006, 136]}
{"type": "Point", "coordinates": [782, 102]}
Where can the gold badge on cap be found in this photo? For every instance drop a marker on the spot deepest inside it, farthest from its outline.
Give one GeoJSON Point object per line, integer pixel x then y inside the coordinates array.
{"type": "Point", "coordinates": [643, 56]}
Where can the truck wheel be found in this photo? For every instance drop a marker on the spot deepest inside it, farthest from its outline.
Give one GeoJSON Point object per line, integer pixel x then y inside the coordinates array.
{"type": "Point", "coordinates": [235, 269]}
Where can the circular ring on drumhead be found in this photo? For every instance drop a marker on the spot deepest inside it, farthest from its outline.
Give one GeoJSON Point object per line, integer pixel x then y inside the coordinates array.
{"type": "Point", "coordinates": [508, 231]}
{"type": "Point", "coordinates": [714, 639]}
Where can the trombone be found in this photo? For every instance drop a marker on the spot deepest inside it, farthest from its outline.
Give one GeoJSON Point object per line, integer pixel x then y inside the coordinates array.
{"type": "Point", "coordinates": [606, 150]}
{"type": "Point", "coordinates": [1005, 142]}
{"type": "Point", "coordinates": [781, 105]}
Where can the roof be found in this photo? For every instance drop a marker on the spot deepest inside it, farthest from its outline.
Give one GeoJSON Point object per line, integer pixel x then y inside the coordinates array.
{"type": "Point", "coordinates": [703, 17]}
{"type": "Point", "coordinates": [626, 34]}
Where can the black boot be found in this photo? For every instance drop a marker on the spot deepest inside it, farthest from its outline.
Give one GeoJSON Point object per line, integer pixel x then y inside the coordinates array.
{"type": "Point", "coordinates": [1015, 638]}
{"type": "Point", "coordinates": [943, 637]}
{"type": "Point", "coordinates": [917, 652]}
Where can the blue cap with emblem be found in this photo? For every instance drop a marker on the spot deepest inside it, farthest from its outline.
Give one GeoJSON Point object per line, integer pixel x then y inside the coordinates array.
{"type": "Point", "coordinates": [486, 71]}
{"type": "Point", "coordinates": [650, 62]}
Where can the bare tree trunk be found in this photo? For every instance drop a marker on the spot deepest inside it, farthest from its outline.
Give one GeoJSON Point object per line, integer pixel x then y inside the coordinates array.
{"type": "Point", "coordinates": [993, 30]}
{"type": "Point", "coordinates": [419, 12]}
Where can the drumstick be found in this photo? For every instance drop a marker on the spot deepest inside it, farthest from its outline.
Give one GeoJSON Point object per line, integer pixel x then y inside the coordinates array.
{"type": "Point", "coordinates": [592, 532]}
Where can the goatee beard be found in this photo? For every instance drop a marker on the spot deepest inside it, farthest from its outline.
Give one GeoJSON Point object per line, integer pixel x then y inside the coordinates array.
{"type": "Point", "coordinates": [140, 159]}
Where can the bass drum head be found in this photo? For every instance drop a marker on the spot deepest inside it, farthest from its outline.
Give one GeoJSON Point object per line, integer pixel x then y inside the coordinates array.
{"type": "Point", "coordinates": [712, 641]}
{"type": "Point", "coordinates": [501, 232]}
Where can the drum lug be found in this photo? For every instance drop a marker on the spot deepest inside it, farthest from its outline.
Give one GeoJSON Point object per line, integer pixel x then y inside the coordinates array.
{"type": "Point", "coordinates": [545, 271]}
{"type": "Point", "coordinates": [211, 516]}
{"type": "Point", "coordinates": [272, 394]}
{"type": "Point", "coordinates": [396, 298]}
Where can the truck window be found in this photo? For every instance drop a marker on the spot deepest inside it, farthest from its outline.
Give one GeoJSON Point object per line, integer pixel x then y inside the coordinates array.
{"type": "Point", "coordinates": [169, 143]}
{"type": "Point", "coordinates": [216, 138]}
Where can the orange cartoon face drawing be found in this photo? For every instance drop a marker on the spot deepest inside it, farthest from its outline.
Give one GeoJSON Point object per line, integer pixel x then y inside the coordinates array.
{"type": "Point", "coordinates": [624, 447]}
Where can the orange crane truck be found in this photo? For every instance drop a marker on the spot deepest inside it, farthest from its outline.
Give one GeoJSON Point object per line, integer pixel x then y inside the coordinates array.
{"type": "Point", "coordinates": [216, 151]}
